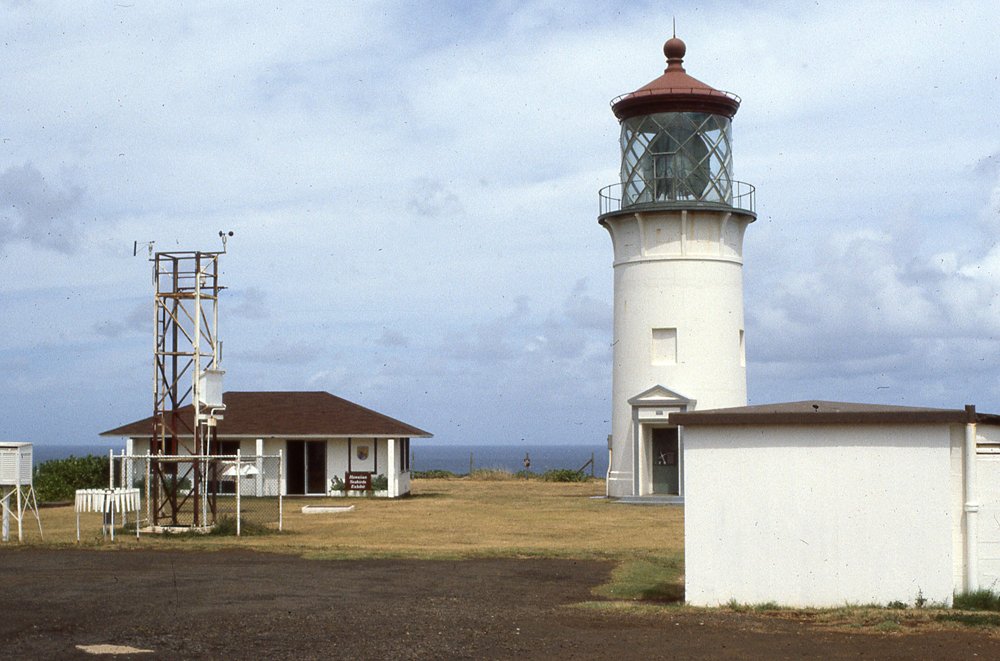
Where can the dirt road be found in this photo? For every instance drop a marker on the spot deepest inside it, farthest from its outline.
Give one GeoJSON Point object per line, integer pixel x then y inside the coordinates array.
{"type": "Point", "coordinates": [237, 605]}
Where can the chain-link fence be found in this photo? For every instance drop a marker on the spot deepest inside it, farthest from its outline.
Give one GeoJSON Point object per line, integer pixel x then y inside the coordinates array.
{"type": "Point", "coordinates": [237, 494]}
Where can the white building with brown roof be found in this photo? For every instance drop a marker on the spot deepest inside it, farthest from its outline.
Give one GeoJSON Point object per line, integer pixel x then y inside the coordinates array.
{"type": "Point", "coordinates": [323, 439]}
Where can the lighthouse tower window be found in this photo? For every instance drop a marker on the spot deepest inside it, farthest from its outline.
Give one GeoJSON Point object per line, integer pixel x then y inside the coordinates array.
{"type": "Point", "coordinates": [664, 346]}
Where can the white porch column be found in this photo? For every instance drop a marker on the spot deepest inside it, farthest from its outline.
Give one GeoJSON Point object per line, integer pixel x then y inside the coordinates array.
{"type": "Point", "coordinates": [391, 472]}
{"type": "Point", "coordinates": [971, 503]}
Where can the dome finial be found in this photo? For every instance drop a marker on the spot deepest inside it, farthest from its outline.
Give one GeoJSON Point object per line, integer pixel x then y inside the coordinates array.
{"type": "Point", "coordinates": [674, 49]}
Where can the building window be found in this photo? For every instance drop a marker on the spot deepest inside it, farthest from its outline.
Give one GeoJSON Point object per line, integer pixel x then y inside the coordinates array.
{"type": "Point", "coordinates": [404, 455]}
{"type": "Point", "coordinates": [743, 350]}
{"type": "Point", "coordinates": [664, 346]}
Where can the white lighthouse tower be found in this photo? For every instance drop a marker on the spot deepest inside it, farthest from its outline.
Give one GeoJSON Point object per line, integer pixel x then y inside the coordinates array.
{"type": "Point", "coordinates": [676, 222]}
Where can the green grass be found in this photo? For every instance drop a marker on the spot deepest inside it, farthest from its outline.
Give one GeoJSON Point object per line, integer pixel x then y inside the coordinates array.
{"type": "Point", "coordinates": [652, 579]}
{"type": "Point", "coordinates": [888, 626]}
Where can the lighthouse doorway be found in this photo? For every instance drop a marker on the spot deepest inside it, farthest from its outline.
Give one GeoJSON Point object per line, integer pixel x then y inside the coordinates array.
{"type": "Point", "coordinates": [666, 461]}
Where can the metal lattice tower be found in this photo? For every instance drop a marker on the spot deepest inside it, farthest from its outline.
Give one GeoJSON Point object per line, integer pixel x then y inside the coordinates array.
{"type": "Point", "coordinates": [186, 384]}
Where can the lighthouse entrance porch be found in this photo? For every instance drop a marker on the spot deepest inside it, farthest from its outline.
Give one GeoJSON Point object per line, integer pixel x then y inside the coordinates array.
{"type": "Point", "coordinates": [657, 457]}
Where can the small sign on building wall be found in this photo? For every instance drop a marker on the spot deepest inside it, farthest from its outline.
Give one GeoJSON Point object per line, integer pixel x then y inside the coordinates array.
{"type": "Point", "coordinates": [359, 481]}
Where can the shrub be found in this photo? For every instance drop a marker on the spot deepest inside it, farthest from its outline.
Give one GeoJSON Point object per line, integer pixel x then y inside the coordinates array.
{"type": "Point", "coordinates": [564, 475]}
{"type": "Point", "coordinates": [434, 474]}
{"type": "Point", "coordinates": [977, 600]}
{"type": "Point", "coordinates": [759, 607]}
{"type": "Point", "coordinates": [380, 483]}
{"type": "Point", "coordinates": [969, 619]}
{"type": "Point", "coordinates": [58, 479]}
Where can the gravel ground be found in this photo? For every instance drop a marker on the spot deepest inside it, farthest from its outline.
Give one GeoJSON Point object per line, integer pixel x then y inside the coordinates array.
{"type": "Point", "coordinates": [250, 605]}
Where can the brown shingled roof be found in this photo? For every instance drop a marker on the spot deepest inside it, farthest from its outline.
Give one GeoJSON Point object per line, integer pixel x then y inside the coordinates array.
{"type": "Point", "coordinates": [290, 414]}
{"type": "Point", "coordinates": [828, 413]}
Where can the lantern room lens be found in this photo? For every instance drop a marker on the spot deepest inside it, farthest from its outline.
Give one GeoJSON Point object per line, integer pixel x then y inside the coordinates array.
{"type": "Point", "coordinates": [676, 157]}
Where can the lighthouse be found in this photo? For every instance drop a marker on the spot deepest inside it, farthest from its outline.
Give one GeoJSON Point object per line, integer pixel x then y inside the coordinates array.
{"type": "Point", "coordinates": [676, 220]}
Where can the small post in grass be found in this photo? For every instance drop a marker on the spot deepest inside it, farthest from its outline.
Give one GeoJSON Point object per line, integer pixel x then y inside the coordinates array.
{"type": "Point", "coordinates": [239, 469]}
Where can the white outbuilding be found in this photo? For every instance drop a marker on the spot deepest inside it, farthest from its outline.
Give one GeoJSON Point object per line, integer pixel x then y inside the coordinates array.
{"type": "Point", "coordinates": [325, 441]}
{"type": "Point", "coordinates": [820, 503]}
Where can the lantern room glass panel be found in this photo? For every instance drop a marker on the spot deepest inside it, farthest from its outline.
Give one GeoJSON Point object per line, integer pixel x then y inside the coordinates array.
{"type": "Point", "coordinates": [676, 157]}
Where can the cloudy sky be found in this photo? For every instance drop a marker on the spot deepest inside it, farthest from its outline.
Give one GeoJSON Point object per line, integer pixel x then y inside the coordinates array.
{"type": "Point", "coordinates": [413, 191]}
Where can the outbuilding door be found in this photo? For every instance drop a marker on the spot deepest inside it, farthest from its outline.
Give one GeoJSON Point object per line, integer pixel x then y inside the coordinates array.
{"type": "Point", "coordinates": [306, 467]}
{"type": "Point", "coordinates": [666, 461]}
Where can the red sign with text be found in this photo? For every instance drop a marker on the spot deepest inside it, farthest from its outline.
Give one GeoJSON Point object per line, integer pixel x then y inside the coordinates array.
{"type": "Point", "coordinates": [359, 481]}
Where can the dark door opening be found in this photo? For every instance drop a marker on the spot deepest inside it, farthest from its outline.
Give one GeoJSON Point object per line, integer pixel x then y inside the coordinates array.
{"type": "Point", "coordinates": [295, 475]}
{"type": "Point", "coordinates": [316, 467]}
{"type": "Point", "coordinates": [306, 466]}
{"type": "Point", "coordinates": [666, 461]}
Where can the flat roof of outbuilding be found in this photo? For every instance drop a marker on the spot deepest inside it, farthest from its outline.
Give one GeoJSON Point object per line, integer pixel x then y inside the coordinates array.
{"type": "Point", "coordinates": [820, 412]}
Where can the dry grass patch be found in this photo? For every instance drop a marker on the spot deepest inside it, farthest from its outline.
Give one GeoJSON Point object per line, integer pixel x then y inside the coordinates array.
{"type": "Point", "coordinates": [874, 619]}
{"type": "Point", "coordinates": [449, 518]}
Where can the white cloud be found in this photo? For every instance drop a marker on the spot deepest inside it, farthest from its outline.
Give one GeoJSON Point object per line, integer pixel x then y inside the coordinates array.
{"type": "Point", "coordinates": [413, 191]}
{"type": "Point", "coordinates": [38, 210]}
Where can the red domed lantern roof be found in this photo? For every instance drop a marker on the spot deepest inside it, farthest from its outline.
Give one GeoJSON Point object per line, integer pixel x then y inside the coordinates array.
{"type": "Point", "coordinates": [675, 91]}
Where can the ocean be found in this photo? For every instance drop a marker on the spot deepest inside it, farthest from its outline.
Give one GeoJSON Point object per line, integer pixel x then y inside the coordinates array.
{"type": "Point", "coordinates": [457, 458]}
{"type": "Point", "coordinates": [44, 452]}
{"type": "Point", "coordinates": [428, 456]}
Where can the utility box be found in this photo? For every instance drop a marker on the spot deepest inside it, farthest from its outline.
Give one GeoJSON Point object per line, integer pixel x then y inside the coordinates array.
{"type": "Point", "coordinates": [15, 464]}
{"type": "Point", "coordinates": [210, 388]}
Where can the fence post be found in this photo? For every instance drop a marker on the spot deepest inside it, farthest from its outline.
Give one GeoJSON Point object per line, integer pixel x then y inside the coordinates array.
{"type": "Point", "coordinates": [123, 483]}
{"type": "Point", "coordinates": [281, 502]}
{"type": "Point", "coordinates": [239, 469]}
{"type": "Point", "coordinates": [203, 487]}
{"type": "Point", "coordinates": [259, 490]}
{"type": "Point", "coordinates": [149, 487]}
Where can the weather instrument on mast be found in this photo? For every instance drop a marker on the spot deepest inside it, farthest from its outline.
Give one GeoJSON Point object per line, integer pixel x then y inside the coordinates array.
{"type": "Point", "coordinates": [187, 383]}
